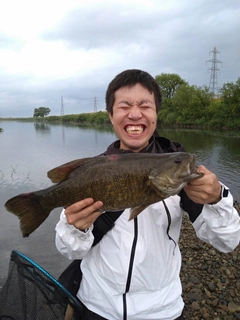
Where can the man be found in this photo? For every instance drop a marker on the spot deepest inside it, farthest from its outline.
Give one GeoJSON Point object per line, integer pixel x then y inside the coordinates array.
{"type": "Point", "coordinates": [133, 272]}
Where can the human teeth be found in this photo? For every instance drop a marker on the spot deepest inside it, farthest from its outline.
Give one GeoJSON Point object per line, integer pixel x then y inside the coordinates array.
{"type": "Point", "coordinates": [134, 129]}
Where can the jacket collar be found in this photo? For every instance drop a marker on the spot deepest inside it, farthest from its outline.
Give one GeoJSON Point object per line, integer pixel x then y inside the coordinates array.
{"type": "Point", "coordinates": [156, 144]}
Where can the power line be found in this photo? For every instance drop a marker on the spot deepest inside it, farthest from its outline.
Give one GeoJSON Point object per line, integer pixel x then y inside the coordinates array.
{"type": "Point", "coordinates": [213, 82]}
{"type": "Point", "coordinates": [95, 104]}
{"type": "Point", "coordinates": [62, 106]}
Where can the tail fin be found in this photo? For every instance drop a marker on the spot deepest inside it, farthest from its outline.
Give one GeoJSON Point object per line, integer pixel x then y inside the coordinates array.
{"type": "Point", "coordinates": [29, 210]}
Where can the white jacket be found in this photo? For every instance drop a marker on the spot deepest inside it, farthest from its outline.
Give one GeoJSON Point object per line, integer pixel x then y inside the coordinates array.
{"type": "Point", "coordinates": [133, 272]}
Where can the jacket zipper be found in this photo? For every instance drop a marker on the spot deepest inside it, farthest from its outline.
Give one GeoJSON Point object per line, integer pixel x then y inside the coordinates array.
{"type": "Point", "coordinates": [130, 268]}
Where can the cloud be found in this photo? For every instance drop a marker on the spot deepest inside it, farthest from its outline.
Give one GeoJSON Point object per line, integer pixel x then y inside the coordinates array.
{"type": "Point", "coordinates": [75, 48]}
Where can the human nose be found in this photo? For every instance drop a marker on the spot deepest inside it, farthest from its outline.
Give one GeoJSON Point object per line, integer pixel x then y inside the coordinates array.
{"type": "Point", "coordinates": [135, 112]}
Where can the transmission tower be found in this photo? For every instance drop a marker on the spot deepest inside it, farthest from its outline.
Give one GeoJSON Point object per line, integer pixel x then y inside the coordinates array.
{"type": "Point", "coordinates": [62, 107]}
{"type": "Point", "coordinates": [213, 82]}
{"type": "Point", "coordinates": [95, 104]}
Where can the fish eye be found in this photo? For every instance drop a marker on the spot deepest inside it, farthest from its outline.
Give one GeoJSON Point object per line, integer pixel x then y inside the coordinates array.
{"type": "Point", "coordinates": [178, 160]}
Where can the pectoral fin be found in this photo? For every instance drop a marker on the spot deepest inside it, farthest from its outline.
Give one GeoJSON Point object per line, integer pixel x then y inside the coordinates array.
{"type": "Point", "coordinates": [135, 211]}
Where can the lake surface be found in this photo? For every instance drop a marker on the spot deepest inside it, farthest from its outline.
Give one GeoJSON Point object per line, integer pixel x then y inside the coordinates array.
{"type": "Point", "coordinates": [29, 150]}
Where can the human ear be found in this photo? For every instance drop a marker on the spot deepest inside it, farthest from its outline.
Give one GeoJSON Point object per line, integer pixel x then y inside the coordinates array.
{"type": "Point", "coordinates": [110, 117]}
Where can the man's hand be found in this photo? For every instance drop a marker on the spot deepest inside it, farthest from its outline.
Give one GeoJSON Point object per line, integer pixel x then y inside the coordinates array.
{"type": "Point", "coordinates": [82, 214]}
{"type": "Point", "coordinates": [206, 190]}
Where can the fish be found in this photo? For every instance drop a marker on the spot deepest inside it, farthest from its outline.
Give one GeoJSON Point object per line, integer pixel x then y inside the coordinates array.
{"type": "Point", "coordinates": [131, 180]}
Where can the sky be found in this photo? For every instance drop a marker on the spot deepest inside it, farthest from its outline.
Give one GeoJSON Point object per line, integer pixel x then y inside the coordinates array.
{"type": "Point", "coordinates": [73, 49]}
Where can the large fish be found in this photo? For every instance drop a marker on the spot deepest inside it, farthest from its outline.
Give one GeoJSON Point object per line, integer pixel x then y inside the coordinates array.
{"type": "Point", "coordinates": [133, 180]}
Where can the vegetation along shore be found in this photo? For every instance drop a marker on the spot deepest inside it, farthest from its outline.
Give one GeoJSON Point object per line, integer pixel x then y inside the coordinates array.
{"type": "Point", "coordinates": [183, 105]}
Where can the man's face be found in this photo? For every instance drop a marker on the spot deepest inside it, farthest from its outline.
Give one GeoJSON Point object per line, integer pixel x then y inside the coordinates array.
{"type": "Point", "coordinates": [134, 117]}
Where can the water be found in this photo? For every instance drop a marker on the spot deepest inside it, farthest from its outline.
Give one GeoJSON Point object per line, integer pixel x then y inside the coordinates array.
{"type": "Point", "coordinates": [28, 151]}
{"type": "Point", "coordinates": [219, 151]}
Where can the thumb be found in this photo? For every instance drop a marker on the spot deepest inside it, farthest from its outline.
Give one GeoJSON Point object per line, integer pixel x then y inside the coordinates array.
{"type": "Point", "coordinates": [203, 169]}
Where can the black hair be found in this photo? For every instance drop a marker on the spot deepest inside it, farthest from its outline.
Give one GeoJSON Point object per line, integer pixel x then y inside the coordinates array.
{"type": "Point", "coordinates": [129, 78]}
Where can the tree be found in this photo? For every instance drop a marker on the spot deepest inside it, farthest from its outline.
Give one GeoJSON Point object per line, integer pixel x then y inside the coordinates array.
{"type": "Point", "coordinates": [41, 112]}
{"type": "Point", "coordinates": [191, 103]}
{"type": "Point", "coordinates": [169, 83]}
{"type": "Point", "coordinates": [231, 96]}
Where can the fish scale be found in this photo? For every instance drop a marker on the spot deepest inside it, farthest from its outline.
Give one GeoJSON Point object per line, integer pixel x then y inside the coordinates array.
{"type": "Point", "coordinates": [132, 180]}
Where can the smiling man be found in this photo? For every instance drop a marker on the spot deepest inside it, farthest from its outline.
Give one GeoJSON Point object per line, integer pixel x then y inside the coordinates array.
{"type": "Point", "coordinates": [134, 117]}
{"type": "Point", "coordinates": [133, 272]}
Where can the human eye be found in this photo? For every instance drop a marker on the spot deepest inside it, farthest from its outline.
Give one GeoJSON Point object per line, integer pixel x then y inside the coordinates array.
{"type": "Point", "coordinates": [145, 107]}
{"type": "Point", "coordinates": [124, 106]}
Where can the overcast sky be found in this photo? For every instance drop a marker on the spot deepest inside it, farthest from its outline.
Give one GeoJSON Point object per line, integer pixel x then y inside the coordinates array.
{"type": "Point", "coordinates": [74, 48]}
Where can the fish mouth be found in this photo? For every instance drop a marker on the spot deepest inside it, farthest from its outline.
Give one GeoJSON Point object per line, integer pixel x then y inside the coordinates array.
{"type": "Point", "coordinates": [192, 165]}
{"type": "Point", "coordinates": [193, 172]}
{"type": "Point", "coordinates": [189, 173]}
{"type": "Point", "coordinates": [135, 129]}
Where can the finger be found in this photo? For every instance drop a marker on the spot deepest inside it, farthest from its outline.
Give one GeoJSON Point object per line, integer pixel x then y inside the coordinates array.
{"type": "Point", "coordinates": [78, 206]}
{"type": "Point", "coordinates": [83, 215]}
{"type": "Point", "coordinates": [91, 209]}
{"type": "Point", "coordinates": [208, 195]}
{"type": "Point", "coordinates": [203, 169]}
{"type": "Point", "coordinates": [195, 196]}
{"type": "Point", "coordinates": [197, 183]}
{"type": "Point", "coordinates": [86, 223]}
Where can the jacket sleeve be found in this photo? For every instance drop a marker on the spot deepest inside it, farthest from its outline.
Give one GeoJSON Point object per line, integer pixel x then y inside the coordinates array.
{"type": "Point", "coordinates": [71, 242]}
{"type": "Point", "coordinates": [217, 224]}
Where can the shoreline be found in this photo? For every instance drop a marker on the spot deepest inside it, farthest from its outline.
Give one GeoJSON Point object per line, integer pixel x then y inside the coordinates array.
{"type": "Point", "coordinates": [210, 279]}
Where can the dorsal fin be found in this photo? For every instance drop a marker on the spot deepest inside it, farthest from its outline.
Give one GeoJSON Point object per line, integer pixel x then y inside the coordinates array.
{"type": "Point", "coordinates": [60, 173]}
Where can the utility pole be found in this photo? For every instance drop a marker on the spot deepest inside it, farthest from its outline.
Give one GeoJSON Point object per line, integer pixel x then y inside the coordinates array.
{"type": "Point", "coordinates": [213, 82]}
{"type": "Point", "coordinates": [62, 107]}
{"type": "Point", "coordinates": [95, 104]}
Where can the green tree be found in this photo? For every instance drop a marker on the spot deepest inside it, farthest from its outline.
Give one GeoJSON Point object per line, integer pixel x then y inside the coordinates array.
{"type": "Point", "coordinates": [41, 112]}
{"type": "Point", "coordinates": [231, 97]}
{"type": "Point", "coordinates": [169, 83]}
{"type": "Point", "coordinates": [102, 118]}
{"type": "Point", "coordinates": [192, 104]}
